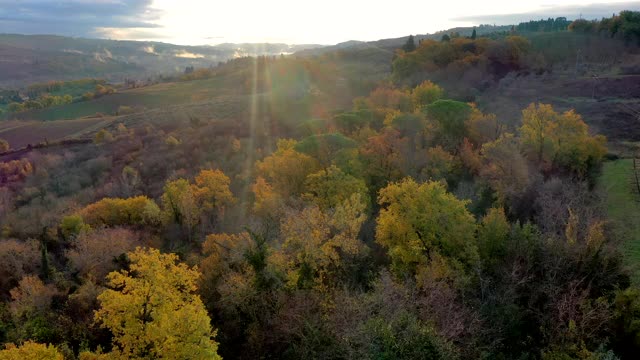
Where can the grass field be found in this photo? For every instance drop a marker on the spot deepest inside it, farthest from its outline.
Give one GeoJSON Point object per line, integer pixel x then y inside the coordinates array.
{"type": "Point", "coordinates": [623, 208]}
{"type": "Point", "coordinates": [150, 97]}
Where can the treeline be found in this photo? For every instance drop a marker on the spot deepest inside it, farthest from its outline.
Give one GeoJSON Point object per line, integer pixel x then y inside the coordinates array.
{"type": "Point", "coordinates": [42, 96]}
{"type": "Point", "coordinates": [625, 26]}
{"type": "Point", "coordinates": [549, 25]}
{"type": "Point", "coordinates": [474, 62]}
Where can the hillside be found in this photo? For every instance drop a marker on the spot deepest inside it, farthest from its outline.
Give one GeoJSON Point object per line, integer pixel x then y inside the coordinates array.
{"type": "Point", "coordinates": [39, 58]}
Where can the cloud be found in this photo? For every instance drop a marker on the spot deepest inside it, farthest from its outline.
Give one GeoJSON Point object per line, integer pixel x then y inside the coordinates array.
{"type": "Point", "coordinates": [75, 17]}
{"type": "Point", "coordinates": [587, 11]}
{"type": "Point", "coordinates": [126, 33]}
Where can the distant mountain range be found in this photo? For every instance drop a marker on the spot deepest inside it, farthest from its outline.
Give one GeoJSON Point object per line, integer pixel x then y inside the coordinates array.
{"type": "Point", "coordinates": [36, 58]}
{"type": "Point", "coordinates": [26, 59]}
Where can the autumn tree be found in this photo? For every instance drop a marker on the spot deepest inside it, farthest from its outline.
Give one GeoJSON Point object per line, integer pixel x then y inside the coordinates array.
{"type": "Point", "coordinates": [4, 145]}
{"type": "Point", "coordinates": [426, 94]}
{"type": "Point", "coordinates": [138, 210]}
{"type": "Point", "coordinates": [153, 311]}
{"type": "Point", "coordinates": [212, 189]}
{"type": "Point", "coordinates": [103, 136]}
{"type": "Point", "coordinates": [539, 123]}
{"type": "Point", "coordinates": [505, 168]}
{"type": "Point", "coordinates": [267, 203]}
{"type": "Point", "coordinates": [383, 158]}
{"type": "Point", "coordinates": [387, 97]}
{"type": "Point", "coordinates": [17, 259]}
{"type": "Point", "coordinates": [95, 253]}
{"type": "Point", "coordinates": [286, 169]}
{"type": "Point", "coordinates": [418, 220]}
{"type": "Point", "coordinates": [32, 351]}
{"type": "Point", "coordinates": [179, 205]}
{"type": "Point", "coordinates": [224, 255]}
{"type": "Point", "coordinates": [31, 297]}
{"type": "Point", "coordinates": [30, 309]}
{"type": "Point", "coordinates": [578, 151]}
{"type": "Point", "coordinates": [212, 193]}
{"type": "Point", "coordinates": [331, 187]}
{"type": "Point", "coordinates": [316, 242]}
{"type": "Point", "coordinates": [439, 166]}
{"type": "Point", "coordinates": [129, 181]}
{"type": "Point", "coordinates": [563, 139]}
{"type": "Point", "coordinates": [481, 127]}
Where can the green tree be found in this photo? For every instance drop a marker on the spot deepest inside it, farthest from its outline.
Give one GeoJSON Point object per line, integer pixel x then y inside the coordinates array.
{"type": "Point", "coordinates": [410, 45]}
{"type": "Point", "coordinates": [324, 147]}
{"type": "Point", "coordinates": [153, 311]}
{"type": "Point", "coordinates": [492, 237]}
{"type": "Point", "coordinates": [451, 116]}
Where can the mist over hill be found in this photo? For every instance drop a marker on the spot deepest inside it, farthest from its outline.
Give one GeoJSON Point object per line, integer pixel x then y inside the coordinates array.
{"type": "Point", "coordinates": [36, 58]}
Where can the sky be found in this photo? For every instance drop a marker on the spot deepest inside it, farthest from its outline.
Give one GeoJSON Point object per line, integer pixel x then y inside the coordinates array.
{"type": "Point", "coordinates": [202, 22]}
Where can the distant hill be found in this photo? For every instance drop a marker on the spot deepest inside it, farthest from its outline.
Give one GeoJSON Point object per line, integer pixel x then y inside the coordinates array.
{"type": "Point", "coordinates": [394, 43]}
{"type": "Point", "coordinates": [36, 58]}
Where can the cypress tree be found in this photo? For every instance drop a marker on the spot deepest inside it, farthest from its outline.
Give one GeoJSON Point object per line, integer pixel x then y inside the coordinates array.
{"type": "Point", "coordinates": [410, 45]}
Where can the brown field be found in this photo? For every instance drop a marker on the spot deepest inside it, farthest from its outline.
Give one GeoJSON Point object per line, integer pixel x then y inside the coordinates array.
{"type": "Point", "coordinates": [609, 104]}
{"type": "Point", "coordinates": [22, 133]}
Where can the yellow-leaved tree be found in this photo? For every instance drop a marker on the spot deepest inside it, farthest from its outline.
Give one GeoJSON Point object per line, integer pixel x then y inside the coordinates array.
{"type": "Point", "coordinates": [212, 190]}
{"type": "Point", "coordinates": [330, 187]}
{"type": "Point", "coordinates": [286, 169]}
{"type": "Point", "coordinates": [418, 220]}
{"type": "Point", "coordinates": [30, 351]}
{"type": "Point", "coordinates": [558, 139]}
{"type": "Point", "coordinates": [153, 311]}
{"type": "Point", "coordinates": [318, 244]}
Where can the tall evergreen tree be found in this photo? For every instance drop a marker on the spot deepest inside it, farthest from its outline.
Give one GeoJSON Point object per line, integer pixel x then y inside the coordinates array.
{"type": "Point", "coordinates": [410, 45]}
{"type": "Point", "coordinates": [474, 35]}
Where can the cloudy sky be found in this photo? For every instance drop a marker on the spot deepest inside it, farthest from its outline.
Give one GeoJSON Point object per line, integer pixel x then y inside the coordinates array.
{"type": "Point", "coordinates": [196, 22]}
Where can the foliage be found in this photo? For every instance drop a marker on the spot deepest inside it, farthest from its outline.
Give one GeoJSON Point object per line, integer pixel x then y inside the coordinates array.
{"type": "Point", "coordinates": [560, 139]}
{"type": "Point", "coordinates": [331, 187]}
{"type": "Point", "coordinates": [138, 210]}
{"type": "Point", "coordinates": [96, 253]}
{"type": "Point", "coordinates": [286, 169]}
{"type": "Point", "coordinates": [426, 93]}
{"type": "Point", "coordinates": [317, 242]}
{"type": "Point", "coordinates": [451, 117]}
{"type": "Point", "coordinates": [31, 350]}
{"type": "Point", "coordinates": [418, 221]}
{"type": "Point", "coordinates": [152, 310]}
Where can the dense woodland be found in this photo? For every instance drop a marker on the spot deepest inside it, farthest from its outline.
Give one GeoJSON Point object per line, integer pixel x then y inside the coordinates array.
{"type": "Point", "coordinates": [411, 225]}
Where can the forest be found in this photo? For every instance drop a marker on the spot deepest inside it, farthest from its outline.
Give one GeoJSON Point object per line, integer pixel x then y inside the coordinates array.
{"type": "Point", "coordinates": [410, 223]}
